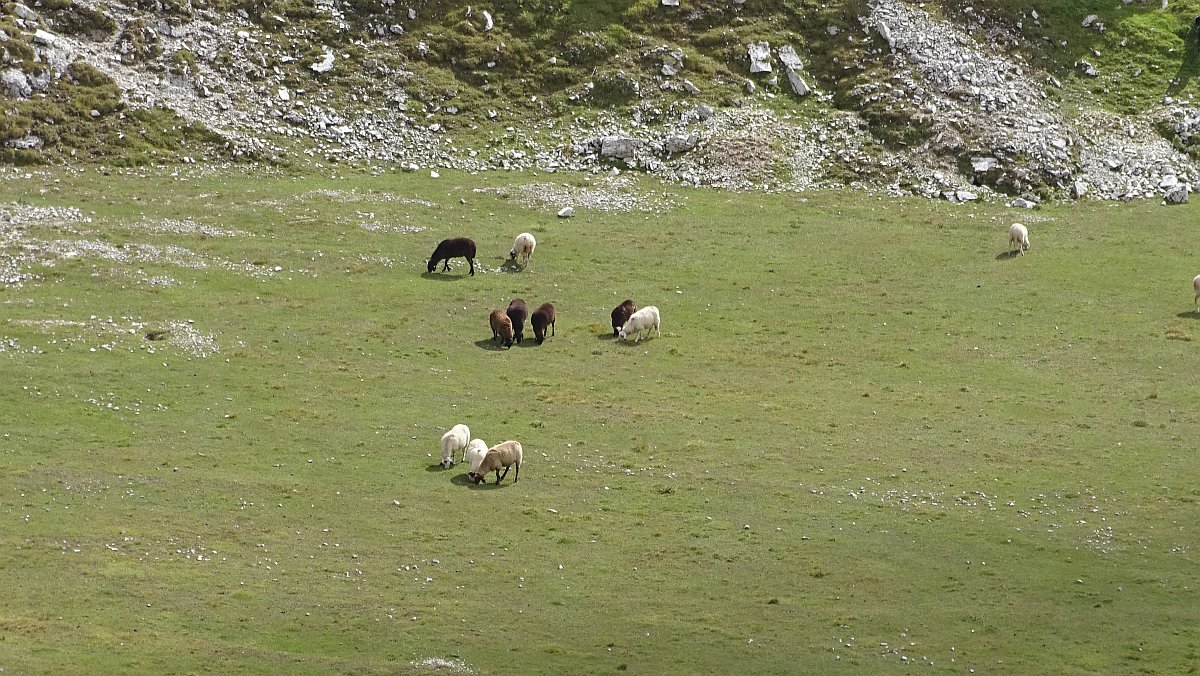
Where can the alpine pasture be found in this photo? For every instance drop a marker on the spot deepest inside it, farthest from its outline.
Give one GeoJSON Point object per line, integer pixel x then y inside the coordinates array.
{"type": "Point", "coordinates": [868, 439]}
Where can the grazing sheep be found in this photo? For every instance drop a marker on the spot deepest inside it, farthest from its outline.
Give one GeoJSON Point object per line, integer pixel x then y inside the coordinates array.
{"type": "Point", "coordinates": [646, 319]}
{"type": "Point", "coordinates": [621, 314]}
{"type": "Point", "coordinates": [1196, 287]}
{"type": "Point", "coordinates": [541, 317]}
{"type": "Point", "coordinates": [1018, 237]}
{"type": "Point", "coordinates": [501, 327]}
{"type": "Point", "coordinates": [454, 440]}
{"type": "Point", "coordinates": [522, 249]}
{"type": "Point", "coordinates": [517, 312]}
{"type": "Point", "coordinates": [474, 453]}
{"type": "Point", "coordinates": [453, 248]}
{"type": "Point", "coordinates": [501, 455]}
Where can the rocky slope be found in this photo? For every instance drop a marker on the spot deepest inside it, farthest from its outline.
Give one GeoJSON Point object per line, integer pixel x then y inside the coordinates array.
{"type": "Point", "coordinates": [881, 95]}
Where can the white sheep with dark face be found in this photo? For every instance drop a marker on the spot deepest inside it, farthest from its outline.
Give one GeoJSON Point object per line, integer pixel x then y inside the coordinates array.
{"type": "Point", "coordinates": [646, 319]}
{"type": "Point", "coordinates": [522, 249]}
{"type": "Point", "coordinates": [476, 451]}
{"type": "Point", "coordinates": [505, 455]}
{"type": "Point", "coordinates": [453, 441]}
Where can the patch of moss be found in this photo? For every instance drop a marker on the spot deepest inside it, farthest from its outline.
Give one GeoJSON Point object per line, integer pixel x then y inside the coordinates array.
{"type": "Point", "coordinates": [138, 43]}
{"type": "Point", "coordinates": [69, 18]}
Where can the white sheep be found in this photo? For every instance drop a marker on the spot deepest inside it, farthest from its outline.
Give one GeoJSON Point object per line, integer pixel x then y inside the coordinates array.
{"type": "Point", "coordinates": [646, 319]}
{"type": "Point", "coordinates": [475, 453]}
{"type": "Point", "coordinates": [1196, 288]}
{"type": "Point", "coordinates": [503, 455]}
{"type": "Point", "coordinates": [1018, 238]}
{"type": "Point", "coordinates": [522, 249]}
{"type": "Point", "coordinates": [454, 440]}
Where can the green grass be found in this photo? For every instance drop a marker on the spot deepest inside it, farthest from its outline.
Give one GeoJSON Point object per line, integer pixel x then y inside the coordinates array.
{"type": "Point", "coordinates": [942, 455]}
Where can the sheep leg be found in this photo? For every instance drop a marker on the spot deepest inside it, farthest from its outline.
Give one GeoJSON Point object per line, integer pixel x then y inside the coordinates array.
{"type": "Point", "coordinates": [500, 477]}
{"type": "Point", "coordinates": [517, 477]}
{"type": "Point", "coordinates": [446, 266]}
{"type": "Point", "coordinates": [472, 262]}
{"type": "Point", "coordinates": [552, 328]}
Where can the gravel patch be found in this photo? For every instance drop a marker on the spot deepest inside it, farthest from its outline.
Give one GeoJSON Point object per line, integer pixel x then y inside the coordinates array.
{"type": "Point", "coordinates": [616, 194]}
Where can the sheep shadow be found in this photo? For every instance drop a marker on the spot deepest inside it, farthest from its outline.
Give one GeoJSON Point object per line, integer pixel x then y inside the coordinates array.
{"type": "Point", "coordinates": [1007, 255]}
{"type": "Point", "coordinates": [1189, 314]}
{"type": "Point", "coordinates": [488, 484]}
{"type": "Point", "coordinates": [634, 343]}
{"type": "Point", "coordinates": [510, 266]}
{"type": "Point", "coordinates": [436, 467]}
{"type": "Point", "coordinates": [462, 480]}
{"type": "Point", "coordinates": [444, 276]}
{"type": "Point", "coordinates": [492, 345]}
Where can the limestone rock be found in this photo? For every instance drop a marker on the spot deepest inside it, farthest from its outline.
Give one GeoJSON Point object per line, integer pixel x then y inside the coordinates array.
{"type": "Point", "coordinates": [760, 57]}
{"type": "Point", "coordinates": [798, 84]}
{"type": "Point", "coordinates": [789, 58]}
{"type": "Point", "coordinates": [1177, 195]}
{"type": "Point", "coordinates": [15, 85]}
{"type": "Point", "coordinates": [620, 147]}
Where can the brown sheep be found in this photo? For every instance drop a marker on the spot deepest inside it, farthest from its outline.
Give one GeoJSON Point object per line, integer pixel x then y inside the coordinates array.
{"type": "Point", "coordinates": [501, 455]}
{"type": "Point", "coordinates": [621, 314]}
{"type": "Point", "coordinates": [501, 327]}
{"type": "Point", "coordinates": [517, 312]}
{"type": "Point", "coordinates": [541, 317]}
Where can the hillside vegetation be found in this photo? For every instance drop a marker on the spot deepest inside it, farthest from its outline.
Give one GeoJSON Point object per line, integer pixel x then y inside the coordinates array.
{"type": "Point", "coordinates": [526, 83]}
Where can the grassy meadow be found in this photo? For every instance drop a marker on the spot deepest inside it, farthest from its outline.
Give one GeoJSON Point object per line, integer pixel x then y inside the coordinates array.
{"type": "Point", "coordinates": [867, 440]}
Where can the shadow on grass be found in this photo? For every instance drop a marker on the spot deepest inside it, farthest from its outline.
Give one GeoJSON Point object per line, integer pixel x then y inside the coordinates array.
{"type": "Point", "coordinates": [436, 467]}
{"type": "Point", "coordinates": [510, 266]}
{"type": "Point", "coordinates": [491, 344]}
{"type": "Point", "coordinates": [461, 480]}
{"type": "Point", "coordinates": [1189, 314]}
{"type": "Point", "coordinates": [489, 484]}
{"type": "Point", "coordinates": [444, 276]}
{"type": "Point", "coordinates": [1189, 66]}
{"type": "Point", "coordinates": [1007, 255]}
{"type": "Point", "coordinates": [634, 343]}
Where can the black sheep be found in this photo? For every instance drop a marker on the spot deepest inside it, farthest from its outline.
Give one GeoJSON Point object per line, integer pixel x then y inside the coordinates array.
{"type": "Point", "coordinates": [517, 312]}
{"type": "Point", "coordinates": [621, 314]}
{"type": "Point", "coordinates": [541, 318]}
{"type": "Point", "coordinates": [453, 248]}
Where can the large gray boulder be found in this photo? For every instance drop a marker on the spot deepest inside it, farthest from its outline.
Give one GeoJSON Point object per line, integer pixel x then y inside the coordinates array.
{"type": "Point", "coordinates": [760, 57]}
{"type": "Point", "coordinates": [14, 84]}
{"type": "Point", "coordinates": [620, 147]}
{"type": "Point", "coordinates": [1177, 195]}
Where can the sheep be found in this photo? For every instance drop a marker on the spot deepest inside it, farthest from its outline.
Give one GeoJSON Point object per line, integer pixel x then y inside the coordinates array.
{"type": "Point", "coordinates": [1196, 288]}
{"type": "Point", "coordinates": [646, 319]}
{"type": "Point", "coordinates": [517, 312]}
{"type": "Point", "coordinates": [453, 248]}
{"type": "Point", "coordinates": [501, 327]}
{"type": "Point", "coordinates": [454, 440]}
{"type": "Point", "coordinates": [1018, 237]}
{"type": "Point", "coordinates": [621, 314]}
{"type": "Point", "coordinates": [475, 452]}
{"type": "Point", "coordinates": [501, 455]}
{"type": "Point", "coordinates": [541, 317]}
{"type": "Point", "coordinates": [522, 249]}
